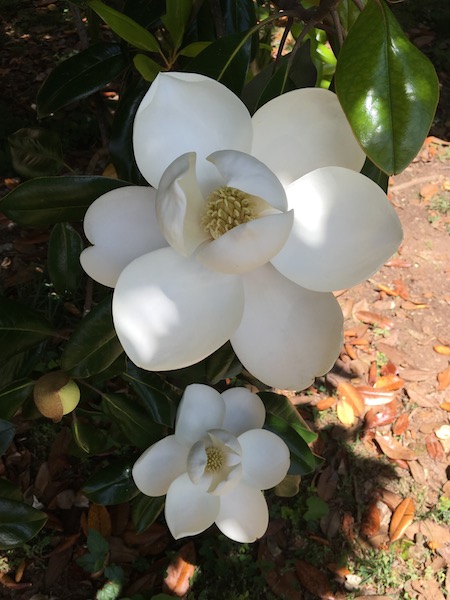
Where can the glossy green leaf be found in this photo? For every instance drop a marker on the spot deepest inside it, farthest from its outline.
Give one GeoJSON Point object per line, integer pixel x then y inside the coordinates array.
{"type": "Point", "coordinates": [94, 345]}
{"type": "Point", "coordinates": [35, 152]}
{"type": "Point", "coordinates": [7, 432]}
{"type": "Point", "coordinates": [13, 396]}
{"type": "Point", "coordinates": [132, 419]}
{"type": "Point", "coordinates": [48, 200]}
{"type": "Point", "coordinates": [160, 406]}
{"type": "Point", "coordinates": [80, 76]}
{"type": "Point", "coordinates": [375, 174]}
{"type": "Point", "coordinates": [19, 522]}
{"type": "Point", "coordinates": [125, 28]}
{"type": "Point", "coordinates": [387, 88]}
{"type": "Point", "coordinates": [194, 49]}
{"type": "Point", "coordinates": [176, 20]}
{"type": "Point", "coordinates": [112, 484]}
{"type": "Point", "coordinates": [226, 60]}
{"type": "Point", "coordinates": [221, 364]}
{"type": "Point", "coordinates": [279, 405]}
{"type": "Point", "coordinates": [348, 13]}
{"type": "Point", "coordinates": [145, 510]}
{"type": "Point", "coordinates": [121, 146]}
{"type": "Point", "coordinates": [63, 259]}
{"type": "Point", "coordinates": [303, 461]}
{"type": "Point", "coordinates": [20, 328]}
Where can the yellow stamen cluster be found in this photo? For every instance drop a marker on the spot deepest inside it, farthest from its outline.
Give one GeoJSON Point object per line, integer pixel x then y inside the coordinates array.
{"type": "Point", "coordinates": [214, 459]}
{"type": "Point", "coordinates": [227, 208]}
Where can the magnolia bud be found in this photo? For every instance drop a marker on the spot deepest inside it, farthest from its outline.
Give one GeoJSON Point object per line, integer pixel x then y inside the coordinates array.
{"type": "Point", "coordinates": [56, 395]}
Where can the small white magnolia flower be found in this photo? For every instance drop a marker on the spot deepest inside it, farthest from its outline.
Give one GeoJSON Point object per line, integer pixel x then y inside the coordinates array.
{"type": "Point", "coordinates": [215, 465]}
{"type": "Point", "coordinates": [255, 222]}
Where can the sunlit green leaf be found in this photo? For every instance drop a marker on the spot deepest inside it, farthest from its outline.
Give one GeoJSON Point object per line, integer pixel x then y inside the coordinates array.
{"type": "Point", "coordinates": [63, 258]}
{"type": "Point", "coordinates": [94, 345]}
{"type": "Point", "coordinates": [20, 328]}
{"type": "Point", "coordinates": [35, 152]}
{"type": "Point", "coordinates": [48, 200]}
{"type": "Point", "coordinates": [80, 76]}
{"type": "Point", "coordinates": [387, 88]}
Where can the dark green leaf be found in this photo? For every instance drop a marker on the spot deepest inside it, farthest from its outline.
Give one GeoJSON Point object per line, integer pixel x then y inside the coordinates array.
{"type": "Point", "coordinates": [279, 405]}
{"type": "Point", "coordinates": [121, 145]}
{"type": "Point", "coordinates": [89, 438]}
{"type": "Point", "coordinates": [80, 76]}
{"type": "Point", "coordinates": [387, 88]}
{"type": "Point", "coordinates": [48, 200]}
{"type": "Point", "coordinates": [94, 345]}
{"type": "Point", "coordinates": [375, 174]}
{"type": "Point", "coordinates": [20, 328]}
{"type": "Point", "coordinates": [160, 406]}
{"type": "Point", "coordinates": [226, 60]}
{"type": "Point", "coordinates": [35, 152]}
{"type": "Point", "coordinates": [9, 491]}
{"type": "Point", "coordinates": [145, 511]}
{"type": "Point", "coordinates": [146, 66]}
{"type": "Point", "coordinates": [113, 484]}
{"type": "Point", "coordinates": [303, 461]}
{"type": "Point", "coordinates": [133, 420]}
{"type": "Point", "coordinates": [125, 28]}
{"type": "Point", "coordinates": [176, 19]}
{"type": "Point", "coordinates": [19, 522]}
{"type": "Point", "coordinates": [63, 259]}
{"type": "Point", "coordinates": [348, 13]}
{"type": "Point", "coordinates": [221, 364]}
{"type": "Point", "coordinates": [239, 15]}
{"type": "Point", "coordinates": [13, 396]}
{"type": "Point", "coordinates": [7, 432]}
{"type": "Point", "coordinates": [144, 12]}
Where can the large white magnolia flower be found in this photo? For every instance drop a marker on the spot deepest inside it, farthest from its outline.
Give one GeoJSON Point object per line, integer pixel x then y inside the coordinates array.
{"type": "Point", "coordinates": [214, 468]}
{"type": "Point", "coordinates": [254, 223]}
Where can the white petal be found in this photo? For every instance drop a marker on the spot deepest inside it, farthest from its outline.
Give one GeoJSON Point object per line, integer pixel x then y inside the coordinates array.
{"type": "Point", "coordinates": [122, 226]}
{"type": "Point", "coordinates": [189, 510]}
{"type": "Point", "coordinates": [197, 461]}
{"type": "Point", "coordinates": [288, 335]}
{"type": "Point", "coordinates": [303, 130]}
{"type": "Point", "coordinates": [246, 173]}
{"type": "Point", "coordinates": [180, 206]}
{"type": "Point", "coordinates": [159, 465]}
{"type": "Point", "coordinates": [243, 410]}
{"type": "Point", "coordinates": [247, 246]}
{"type": "Point", "coordinates": [171, 312]}
{"type": "Point", "coordinates": [185, 112]}
{"type": "Point", "coordinates": [345, 228]}
{"type": "Point", "coordinates": [243, 514]}
{"type": "Point", "coordinates": [265, 458]}
{"type": "Point", "coordinates": [201, 408]}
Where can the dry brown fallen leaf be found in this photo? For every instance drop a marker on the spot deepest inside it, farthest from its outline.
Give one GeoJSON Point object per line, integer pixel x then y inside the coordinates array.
{"type": "Point", "coordinates": [371, 520]}
{"type": "Point", "coordinates": [401, 424]}
{"type": "Point", "coordinates": [445, 406]}
{"type": "Point", "coordinates": [314, 580]}
{"type": "Point", "coordinates": [374, 318]}
{"type": "Point", "coordinates": [444, 379]}
{"type": "Point", "coordinates": [434, 447]}
{"type": "Point", "coordinates": [347, 392]}
{"type": "Point", "coordinates": [99, 519]}
{"type": "Point", "coordinates": [394, 449]}
{"type": "Point", "coordinates": [378, 416]}
{"type": "Point", "coordinates": [389, 383]}
{"type": "Point", "coordinates": [401, 519]}
{"type": "Point", "coordinates": [441, 349]}
{"type": "Point", "coordinates": [326, 403]}
{"type": "Point", "coordinates": [374, 397]}
{"type": "Point", "coordinates": [180, 571]}
{"type": "Point", "coordinates": [345, 413]}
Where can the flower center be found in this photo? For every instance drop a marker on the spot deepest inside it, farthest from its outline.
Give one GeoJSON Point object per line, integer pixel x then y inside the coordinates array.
{"type": "Point", "coordinates": [227, 208]}
{"type": "Point", "coordinates": [215, 459]}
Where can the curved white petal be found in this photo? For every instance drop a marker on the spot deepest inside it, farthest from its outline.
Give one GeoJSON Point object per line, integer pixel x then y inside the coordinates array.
{"type": "Point", "coordinates": [189, 509]}
{"type": "Point", "coordinates": [122, 226]}
{"type": "Point", "coordinates": [180, 206]}
{"type": "Point", "coordinates": [288, 335]}
{"type": "Point", "coordinates": [159, 465]}
{"type": "Point", "coordinates": [246, 173]}
{"type": "Point", "coordinates": [247, 246]}
{"type": "Point", "coordinates": [243, 410]}
{"type": "Point", "coordinates": [197, 461]}
{"type": "Point", "coordinates": [345, 228]}
{"type": "Point", "coordinates": [303, 130]}
{"type": "Point", "coordinates": [243, 514]}
{"type": "Point", "coordinates": [201, 408]}
{"type": "Point", "coordinates": [265, 458]}
{"type": "Point", "coordinates": [186, 112]}
{"type": "Point", "coordinates": [170, 312]}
